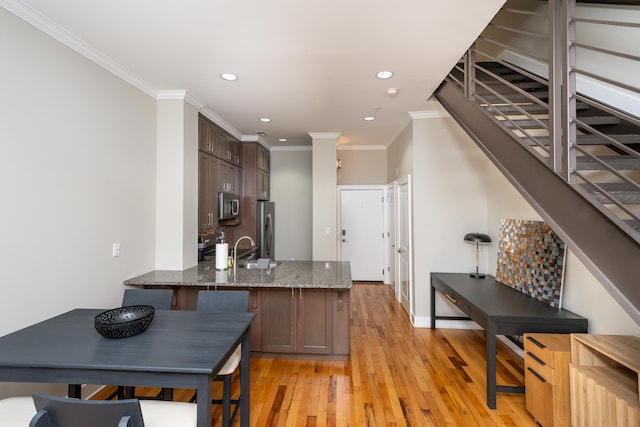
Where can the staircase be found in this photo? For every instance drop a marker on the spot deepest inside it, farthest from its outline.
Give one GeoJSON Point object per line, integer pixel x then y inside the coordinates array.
{"type": "Point", "coordinates": [575, 159]}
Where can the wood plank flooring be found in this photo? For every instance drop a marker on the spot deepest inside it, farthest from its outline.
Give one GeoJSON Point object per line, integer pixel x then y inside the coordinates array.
{"type": "Point", "coordinates": [396, 375]}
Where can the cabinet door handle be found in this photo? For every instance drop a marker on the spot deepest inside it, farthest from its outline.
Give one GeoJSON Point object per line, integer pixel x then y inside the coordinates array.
{"type": "Point", "coordinates": [536, 342]}
{"type": "Point", "coordinates": [540, 377]}
{"type": "Point", "coordinates": [536, 358]}
{"type": "Point", "coordinates": [450, 298]}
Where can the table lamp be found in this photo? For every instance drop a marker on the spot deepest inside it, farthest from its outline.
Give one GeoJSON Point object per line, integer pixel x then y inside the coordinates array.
{"type": "Point", "coordinates": [477, 238]}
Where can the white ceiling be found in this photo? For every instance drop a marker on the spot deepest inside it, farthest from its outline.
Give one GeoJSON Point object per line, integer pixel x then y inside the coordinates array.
{"type": "Point", "coordinates": [309, 65]}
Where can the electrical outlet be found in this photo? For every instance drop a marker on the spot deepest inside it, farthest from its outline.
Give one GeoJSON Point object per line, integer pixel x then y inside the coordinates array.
{"type": "Point", "coordinates": [115, 250]}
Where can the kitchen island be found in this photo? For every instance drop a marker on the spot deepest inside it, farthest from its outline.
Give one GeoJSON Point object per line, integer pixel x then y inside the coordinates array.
{"type": "Point", "coordinates": [302, 307]}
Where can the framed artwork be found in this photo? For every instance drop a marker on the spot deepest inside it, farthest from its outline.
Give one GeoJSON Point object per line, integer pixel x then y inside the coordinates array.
{"type": "Point", "coordinates": [531, 259]}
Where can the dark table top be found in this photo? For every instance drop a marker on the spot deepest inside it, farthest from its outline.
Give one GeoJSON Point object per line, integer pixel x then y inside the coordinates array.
{"type": "Point", "coordinates": [499, 300]}
{"type": "Point", "coordinates": [175, 342]}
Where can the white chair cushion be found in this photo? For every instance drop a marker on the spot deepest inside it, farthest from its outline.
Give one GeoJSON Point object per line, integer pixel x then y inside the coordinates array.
{"type": "Point", "coordinates": [16, 411]}
{"type": "Point", "coordinates": [159, 413]}
{"type": "Point", "coordinates": [232, 362]}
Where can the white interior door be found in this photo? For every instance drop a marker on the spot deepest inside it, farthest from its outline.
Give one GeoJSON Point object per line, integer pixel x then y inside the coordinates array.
{"type": "Point", "coordinates": [362, 232]}
{"type": "Point", "coordinates": [390, 242]}
{"type": "Point", "coordinates": [404, 281]}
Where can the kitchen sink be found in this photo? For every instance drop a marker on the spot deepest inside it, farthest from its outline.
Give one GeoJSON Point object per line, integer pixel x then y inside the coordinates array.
{"type": "Point", "coordinates": [254, 264]}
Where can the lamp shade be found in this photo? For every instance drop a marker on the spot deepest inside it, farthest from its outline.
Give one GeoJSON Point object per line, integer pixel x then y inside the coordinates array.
{"type": "Point", "coordinates": [477, 238]}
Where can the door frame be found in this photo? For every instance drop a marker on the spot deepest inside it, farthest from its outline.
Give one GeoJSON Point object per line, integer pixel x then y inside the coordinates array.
{"type": "Point", "coordinates": [341, 188]}
{"type": "Point", "coordinates": [390, 212]}
{"type": "Point", "coordinates": [409, 220]}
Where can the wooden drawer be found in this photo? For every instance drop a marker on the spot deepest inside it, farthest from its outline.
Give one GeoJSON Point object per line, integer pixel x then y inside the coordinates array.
{"type": "Point", "coordinates": [456, 300]}
{"type": "Point", "coordinates": [546, 376]}
{"type": "Point", "coordinates": [540, 347]}
{"type": "Point", "coordinates": [537, 398]}
{"type": "Point", "coordinates": [537, 367]}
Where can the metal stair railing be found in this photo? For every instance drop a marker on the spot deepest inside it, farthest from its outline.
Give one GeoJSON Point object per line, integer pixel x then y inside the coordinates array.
{"type": "Point", "coordinates": [570, 149]}
{"type": "Point", "coordinates": [515, 70]}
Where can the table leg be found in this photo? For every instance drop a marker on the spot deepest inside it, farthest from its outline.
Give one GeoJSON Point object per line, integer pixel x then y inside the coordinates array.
{"type": "Point", "coordinates": [244, 379]}
{"type": "Point", "coordinates": [433, 306]}
{"type": "Point", "coordinates": [203, 391]}
{"type": "Point", "coordinates": [74, 391]}
{"type": "Point", "coordinates": [490, 339]}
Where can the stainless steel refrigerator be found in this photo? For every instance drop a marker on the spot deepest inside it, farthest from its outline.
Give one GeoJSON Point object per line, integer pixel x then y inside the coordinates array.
{"type": "Point", "coordinates": [266, 230]}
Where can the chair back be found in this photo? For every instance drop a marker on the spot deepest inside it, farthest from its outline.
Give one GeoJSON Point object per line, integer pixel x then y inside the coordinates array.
{"type": "Point", "coordinates": [160, 299]}
{"type": "Point", "coordinates": [223, 301]}
{"type": "Point", "coordinates": [62, 412]}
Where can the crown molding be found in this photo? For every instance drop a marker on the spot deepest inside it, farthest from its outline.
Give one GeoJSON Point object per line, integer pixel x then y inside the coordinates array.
{"type": "Point", "coordinates": [292, 148]}
{"type": "Point", "coordinates": [429, 114]}
{"type": "Point", "coordinates": [206, 111]}
{"type": "Point", "coordinates": [70, 40]}
{"type": "Point", "coordinates": [324, 135]}
{"type": "Point", "coordinates": [361, 147]}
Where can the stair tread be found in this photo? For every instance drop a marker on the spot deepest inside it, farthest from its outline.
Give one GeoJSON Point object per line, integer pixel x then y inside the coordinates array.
{"type": "Point", "coordinates": [596, 140]}
{"type": "Point", "coordinates": [621, 191]}
{"type": "Point", "coordinates": [617, 162]}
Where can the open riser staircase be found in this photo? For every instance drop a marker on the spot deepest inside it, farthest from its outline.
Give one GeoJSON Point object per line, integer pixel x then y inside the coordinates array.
{"type": "Point", "coordinates": [574, 158]}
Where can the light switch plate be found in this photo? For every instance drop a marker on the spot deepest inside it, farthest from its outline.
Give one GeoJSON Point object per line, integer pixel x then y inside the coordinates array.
{"type": "Point", "coordinates": [115, 250]}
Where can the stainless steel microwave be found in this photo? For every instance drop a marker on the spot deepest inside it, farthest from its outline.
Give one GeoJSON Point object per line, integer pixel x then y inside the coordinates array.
{"type": "Point", "coordinates": [228, 205]}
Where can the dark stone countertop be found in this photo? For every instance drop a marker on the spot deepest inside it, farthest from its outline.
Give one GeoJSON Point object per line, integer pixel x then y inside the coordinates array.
{"type": "Point", "coordinates": [289, 274]}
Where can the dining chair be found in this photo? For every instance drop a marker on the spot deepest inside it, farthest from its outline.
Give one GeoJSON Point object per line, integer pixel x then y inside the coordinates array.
{"type": "Point", "coordinates": [218, 302]}
{"type": "Point", "coordinates": [160, 299]}
{"type": "Point", "coordinates": [55, 411]}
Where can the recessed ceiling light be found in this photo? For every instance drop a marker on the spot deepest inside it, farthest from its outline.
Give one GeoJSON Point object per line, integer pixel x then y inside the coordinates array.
{"type": "Point", "coordinates": [265, 119]}
{"type": "Point", "coordinates": [384, 75]}
{"type": "Point", "coordinates": [282, 139]}
{"type": "Point", "coordinates": [228, 76]}
{"type": "Point", "coordinates": [369, 118]}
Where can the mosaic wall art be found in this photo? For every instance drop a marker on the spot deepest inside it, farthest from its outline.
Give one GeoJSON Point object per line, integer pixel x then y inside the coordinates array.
{"type": "Point", "coordinates": [531, 259]}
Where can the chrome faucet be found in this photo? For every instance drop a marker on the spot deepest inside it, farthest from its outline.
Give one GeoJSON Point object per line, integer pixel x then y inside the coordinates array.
{"type": "Point", "coordinates": [235, 252]}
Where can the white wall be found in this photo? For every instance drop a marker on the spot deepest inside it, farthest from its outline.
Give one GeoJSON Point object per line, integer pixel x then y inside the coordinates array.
{"type": "Point", "coordinates": [362, 166]}
{"type": "Point", "coordinates": [458, 190]}
{"type": "Point", "coordinates": [324, 216]}
{"type": "Point", "coordinates": [176, 185]}
{"type": "Point", "coordinates": [449, 200]}
{"type": "Point", "coordinates": [77, 173]}
{"type": "Point", "coordinates": [582, 293]}
{"type": "Point", "coordinates": [291, 188]}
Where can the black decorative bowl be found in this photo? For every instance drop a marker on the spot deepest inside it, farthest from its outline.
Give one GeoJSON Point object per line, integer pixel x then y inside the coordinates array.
{"type": "Point", "coordinates": [124, 322]}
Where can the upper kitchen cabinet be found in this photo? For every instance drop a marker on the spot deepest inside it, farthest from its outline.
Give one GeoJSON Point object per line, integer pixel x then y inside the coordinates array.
{"type": "Point", "coordinates": [229, 178]}
{"type": "Point", "coordinates": [207, 136]}
{"type": "Point", "coordinates": [255, 170]}
{"type": "Point", "coordinates": [264, 159]}
{"type": "Point", "coordinates": [229, 148]}
{"type": "Point", "coordinates": [207, 191]}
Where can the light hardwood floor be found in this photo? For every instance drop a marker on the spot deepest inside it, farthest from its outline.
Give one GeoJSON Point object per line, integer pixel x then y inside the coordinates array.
{"type": "Point", "coordinates": [396, 375]}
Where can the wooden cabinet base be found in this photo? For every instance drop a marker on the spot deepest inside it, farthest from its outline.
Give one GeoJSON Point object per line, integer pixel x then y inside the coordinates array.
{"type": "Point", "coordinates": [546, 377]}
{"type": "Point", "coordinates": [291, 321]}
{"type": "Point", "coordinates": [604, 380]}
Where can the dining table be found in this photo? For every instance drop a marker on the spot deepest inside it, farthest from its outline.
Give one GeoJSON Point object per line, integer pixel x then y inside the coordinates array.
{"type": "Point", "coordinates": [179, 349]}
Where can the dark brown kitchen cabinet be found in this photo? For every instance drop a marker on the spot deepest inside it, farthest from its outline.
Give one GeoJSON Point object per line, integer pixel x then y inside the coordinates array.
{"type": "Point", "coordinates": [229, 148]}
{"type": "Point", "coordinates": [290, 320]}
{"type": "Point", "coordinates": [207, 136]}
{"type": "Point", "coordinates": [264, 159]}
{"type": "Point", "coordinates": [229, 178]}
{"type": "Point", "coordinates": [207, 191]}
{"type": "Point", "coordinates": [297, 321]}
{"type": "Point", "coordinates": [255, 171]}
{"type": "Point", "coordinates": [262, 186]}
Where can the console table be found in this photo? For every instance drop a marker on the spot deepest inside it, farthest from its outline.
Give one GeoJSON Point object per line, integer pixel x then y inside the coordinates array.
{"type": "Point", "coordinates": [500, 310]}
